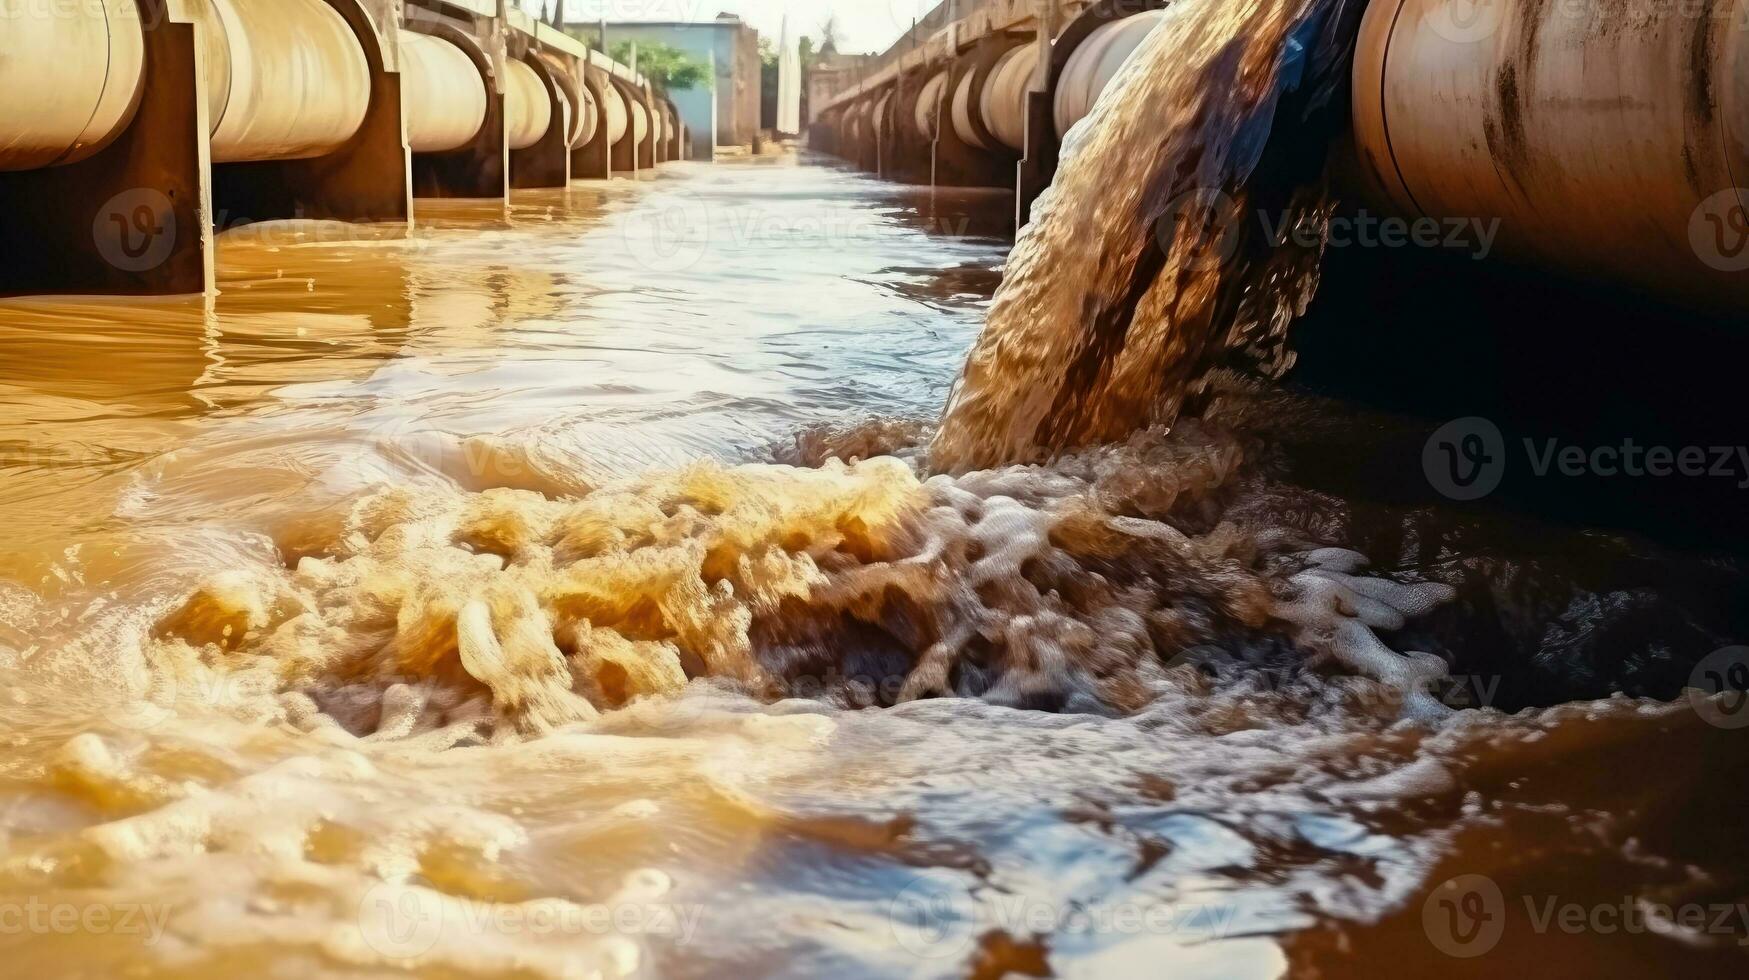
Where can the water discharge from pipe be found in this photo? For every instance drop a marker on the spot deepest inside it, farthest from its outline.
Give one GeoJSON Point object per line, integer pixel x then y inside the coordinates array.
{"type": "Point", "coordinates": [1143, 267]}
{"type": "Point", "coordinates": [1069, 587]}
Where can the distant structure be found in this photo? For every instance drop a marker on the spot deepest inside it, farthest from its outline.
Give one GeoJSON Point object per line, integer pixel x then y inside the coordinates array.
{"type": "Point", "coordinates": [833, 73]}
{"type": "Point", "coordinates": [729, 117]}
{"type": "Point", "coordinates": [789, 83]}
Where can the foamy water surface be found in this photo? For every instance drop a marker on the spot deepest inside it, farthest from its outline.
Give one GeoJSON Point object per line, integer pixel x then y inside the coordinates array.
{"type": "Point", "coordinates": [566, 592]}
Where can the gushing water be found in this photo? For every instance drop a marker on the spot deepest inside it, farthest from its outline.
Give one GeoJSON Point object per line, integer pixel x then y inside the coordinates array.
{"type": "Point", "coordinates": [423, 611]}
{"type": "Point", "coordinates": [1143, 268]}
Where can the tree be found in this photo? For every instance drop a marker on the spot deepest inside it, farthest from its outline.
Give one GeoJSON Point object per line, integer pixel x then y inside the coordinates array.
{"type": "Point", "coordinates": [666, 66]}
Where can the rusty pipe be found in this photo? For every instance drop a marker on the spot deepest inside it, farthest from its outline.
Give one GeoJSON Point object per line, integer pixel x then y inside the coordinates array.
{"type": "Point", "coordinates": [928, 109]}
{"type": "Point", "coordinates": [878, 117]}
{"type": "Point", "coordinates": [962, 113]}
{"type": "Point", "coordinates": [1609, 152]}
{"type": "Point", "coordinates": [74, 73]}
{"type": "Point", "coordinates": [443, 94]}
{"type": "Point", "coordinates": [1004, 100]}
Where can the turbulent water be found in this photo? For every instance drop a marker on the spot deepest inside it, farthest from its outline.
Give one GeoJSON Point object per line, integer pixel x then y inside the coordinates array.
{"type": "Point", "coordinates": [552, 595]}
{"type": "Point", "coordinates": [1142, 266]}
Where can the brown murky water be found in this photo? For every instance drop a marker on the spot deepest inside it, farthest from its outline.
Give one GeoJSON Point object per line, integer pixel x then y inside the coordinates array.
{"type": "Point", "coordinates": [487, 604]}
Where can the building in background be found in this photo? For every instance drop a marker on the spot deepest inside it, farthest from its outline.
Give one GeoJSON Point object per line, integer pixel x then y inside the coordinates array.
{"type": "Point", "coordinates": [727, 117]}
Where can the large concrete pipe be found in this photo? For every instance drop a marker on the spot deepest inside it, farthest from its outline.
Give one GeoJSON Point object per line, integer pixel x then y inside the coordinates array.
{"type": "Point", "coordinates": [640, 122]}
{"type": "Point", "coordinates": [1611, 152]}
{"type": "Point", "coordinates": [588, 118]}
{"type": "Point", "coordinates": [962, 112]}
{"type": "Point", "coordinates": [286, 79]}
{"type": "Point", "coordinates": [580, 109]}
{"type": "Point", "coordinates": [615, 116]}
{"type": "Point", "coordinates": [850, 134]}
{"type": "Point", "coordinates": [74, 79]}
{"type": "Point", "coordinates": [443, 94]}
{"type": "Point", "coordinates": [1004, 98]}
{"type": "Point", "coordinates": [878, 117]}
{"type": "Point", "coordinates": [528, 111]}
{"type": "Point", "coordinates": [865, 123]}
{"type": "Point", "coordinates": [1098, 60]}
{"type": "Point", "coordinates": [929, 106]}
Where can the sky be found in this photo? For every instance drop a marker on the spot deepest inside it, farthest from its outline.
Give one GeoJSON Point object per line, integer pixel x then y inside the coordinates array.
{"type": "Point", "coordinates": [864, 25]}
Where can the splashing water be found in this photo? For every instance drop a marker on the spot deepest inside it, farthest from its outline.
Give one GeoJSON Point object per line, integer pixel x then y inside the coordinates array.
{"type": "Point", "coordinates": [506, 613]}
{"type": "Point", "coordinates": [1142, 267]}
{"type": "Point", "coordinates": [436, 699]}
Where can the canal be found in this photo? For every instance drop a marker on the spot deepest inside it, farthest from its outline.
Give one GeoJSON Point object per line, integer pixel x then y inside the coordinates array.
{"type": "Point", "coordinates": [277, 694]}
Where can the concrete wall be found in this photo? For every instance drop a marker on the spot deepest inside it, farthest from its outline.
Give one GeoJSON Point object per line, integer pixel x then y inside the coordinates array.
{"type": "Point", "coordinates": [733, 114]}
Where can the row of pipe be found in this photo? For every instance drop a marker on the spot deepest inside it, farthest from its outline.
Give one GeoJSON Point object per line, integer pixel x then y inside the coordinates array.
{"type": "Point", "coordinates": [267, 97]}
{"type": "Point", "coordinates": [285, 80]}
{"type": "Point", "coordinates": [998, 107]}
{"type": "Point", "coordinates": [1610, 153]}
{"type": "Point", "coordinates": [135, 130]}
